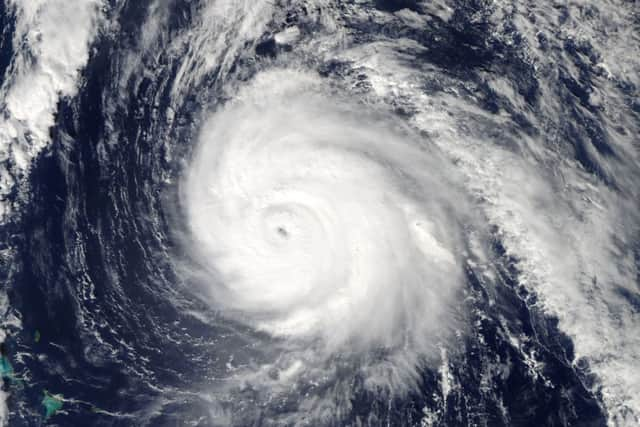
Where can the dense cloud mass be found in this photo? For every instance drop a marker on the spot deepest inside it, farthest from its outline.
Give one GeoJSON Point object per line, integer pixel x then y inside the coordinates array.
{"type": "Point", "coordinates": [315, 218]}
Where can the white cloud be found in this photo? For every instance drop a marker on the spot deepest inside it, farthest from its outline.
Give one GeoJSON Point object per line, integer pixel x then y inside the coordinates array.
{"type": "Point", "coordinates": [572, 235]}
{"type": "Point", "coordinates": [51, 44]}
{"type": "Point", "coordinates": [315, 221]}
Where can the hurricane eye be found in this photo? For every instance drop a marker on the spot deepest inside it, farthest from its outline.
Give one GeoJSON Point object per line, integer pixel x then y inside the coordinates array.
{"type": "Point", "coordinates": [282, 232]}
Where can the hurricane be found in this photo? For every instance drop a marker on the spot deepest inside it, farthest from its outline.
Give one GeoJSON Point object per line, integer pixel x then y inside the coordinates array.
{"type": "Point", "coordinates": [319, 213]}
{"type": "Point", "coordinates": [315, 223]}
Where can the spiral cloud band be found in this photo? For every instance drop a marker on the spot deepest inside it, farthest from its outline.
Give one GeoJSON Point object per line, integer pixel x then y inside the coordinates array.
{"type": "Point", "coordinates": [316, 220]}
